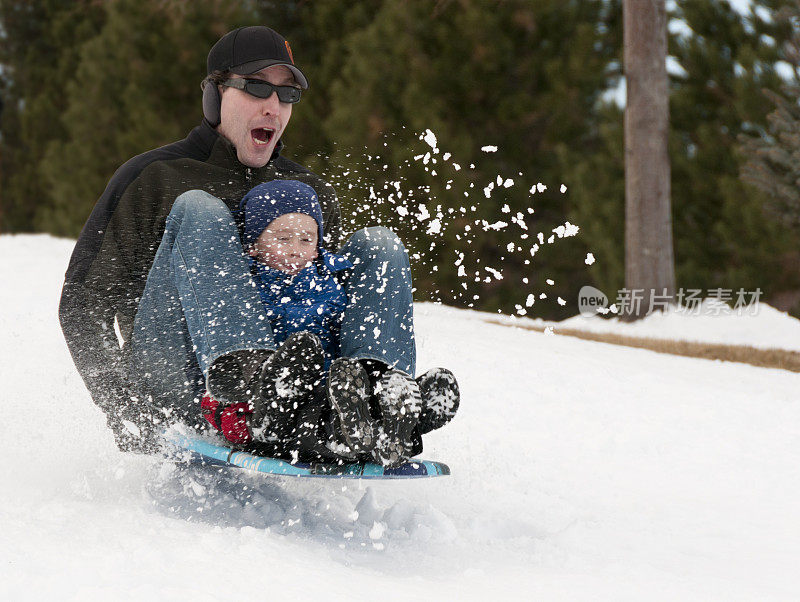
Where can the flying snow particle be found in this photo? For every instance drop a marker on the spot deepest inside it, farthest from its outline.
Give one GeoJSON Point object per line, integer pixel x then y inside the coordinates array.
{"type": "Point", "coordinates": [402, 211]}
{"type": "Point", "coordinates": [489, 149]}
{"type": "Point", "coordinates": [566, 230]}
{"type": "Point", "coordinates": [495, 226]}
{"type": "Point", "coordinates": [488, 190]}
{"type": "Point", "coordinates": [589, 259]}
{"type": "Point", "coordinates": [530, 300]}
{"type": "Point", "coordinates": [540, 187]}
{"type": "Point", "coordinates": [548, 331]}
{"type": "Point", "coordinates": [456, 166]}
{"type": "Point", "coordinates": [550, 282]}
{"type": "Point", "coordinates": [519, 219]}
{"type": "Point", "coordinates": [506, 208]}
{"type": "Point", "coordinates": [563, 189]}
{"type": "Point", "coordinates": [377, 530]}
{"type": "Point", "coordinates": [430, 139]}
{"type": "Point", "coordinates": [497, 275]}
{"type": "Point", "coordinates": [561, 302]}
{"type": "Point", "coordinates": [508, 183]}
{"type": "Point", "coordinates": [510, 247]}
{"type": "Point", "coordinates": [434, 227]}
{"type": "Point", "coordinates": [446, 156]}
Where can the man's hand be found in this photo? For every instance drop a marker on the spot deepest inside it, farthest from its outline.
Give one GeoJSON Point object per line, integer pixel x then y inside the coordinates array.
{"type": "Point", "coordinates": [135, 428]}
{"type": "Point", "coordinates": [231, 420]}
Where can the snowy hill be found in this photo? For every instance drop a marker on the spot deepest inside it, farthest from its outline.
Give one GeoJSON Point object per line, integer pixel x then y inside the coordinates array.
{"type": "Point", "coordinates": [713, 322]}
{"type": "Point", "coordinates": [635, 476]}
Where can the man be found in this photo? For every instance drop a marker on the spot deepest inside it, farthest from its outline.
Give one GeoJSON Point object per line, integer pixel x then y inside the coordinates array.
{"type": "Point", "coordinates": [154, 313]}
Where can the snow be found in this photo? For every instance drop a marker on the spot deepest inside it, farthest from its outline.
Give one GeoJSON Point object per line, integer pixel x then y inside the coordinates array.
{"type": "Point", "coordinates": [581, 471]}
{"type": "Point", "coordinates": [760, 326]}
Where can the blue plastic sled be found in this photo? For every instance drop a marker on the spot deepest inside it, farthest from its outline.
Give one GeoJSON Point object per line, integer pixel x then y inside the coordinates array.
{"type": "Point", "coordinates": [201, 451]}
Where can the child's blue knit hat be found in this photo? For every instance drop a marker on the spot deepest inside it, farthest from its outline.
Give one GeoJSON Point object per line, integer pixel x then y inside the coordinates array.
{"type": "Point", "coordinates": [268, 201]}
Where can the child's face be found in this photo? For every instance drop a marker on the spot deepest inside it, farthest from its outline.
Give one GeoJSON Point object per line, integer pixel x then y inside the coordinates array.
{"type": "Point", "coordinates": [288, 244]}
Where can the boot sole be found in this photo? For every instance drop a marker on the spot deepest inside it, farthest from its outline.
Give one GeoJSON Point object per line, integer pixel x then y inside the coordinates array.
{"type": "Point", "coordinates": [440, 399]}
{"type": "Point", "coordinates": [345, 379]}
{"type": "Point", "coordinates": [400, 417]}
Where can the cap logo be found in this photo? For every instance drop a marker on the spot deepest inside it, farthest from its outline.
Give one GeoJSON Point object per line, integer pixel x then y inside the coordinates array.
{"type": "Point", "coordinates": [289, 50]}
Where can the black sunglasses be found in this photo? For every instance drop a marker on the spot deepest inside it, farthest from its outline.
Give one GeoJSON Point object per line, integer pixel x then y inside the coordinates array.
{"type": "Point", "coordinates": [263, 89]}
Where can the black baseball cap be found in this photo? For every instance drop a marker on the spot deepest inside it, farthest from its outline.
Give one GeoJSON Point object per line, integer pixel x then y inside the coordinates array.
{"type": "Point", "coordinates": [249, 49]}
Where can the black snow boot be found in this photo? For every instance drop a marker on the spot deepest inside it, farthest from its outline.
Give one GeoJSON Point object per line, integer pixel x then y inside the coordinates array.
{"type": "Point", "coordinates": [289, 379]}
{"type": "Point", "coordinates": [440, 399]}
{"type": "Point", "coordinates": [398, 396]}
{"type": "Point", "coordinates": [349, 393]}
{"type": "Point", "coordinates": [235, 377]}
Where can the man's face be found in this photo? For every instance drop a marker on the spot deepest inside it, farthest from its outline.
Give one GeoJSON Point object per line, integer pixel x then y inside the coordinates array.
{"type": "Point", "coordinates": [254, 125]}
{"type": "Point", "coordinates": [288, 244]}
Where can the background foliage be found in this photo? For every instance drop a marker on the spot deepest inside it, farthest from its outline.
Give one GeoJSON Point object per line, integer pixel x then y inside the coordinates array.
{"type": "Point", "coordinates": [87, 84]}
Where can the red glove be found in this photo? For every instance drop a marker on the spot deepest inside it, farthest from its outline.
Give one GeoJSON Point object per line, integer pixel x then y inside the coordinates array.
{"type": "Point", "coordinates": [230, 420]}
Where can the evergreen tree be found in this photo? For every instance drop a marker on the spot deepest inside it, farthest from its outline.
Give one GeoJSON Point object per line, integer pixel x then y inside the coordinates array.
{"type": "Point", "coordinates": [38, 55]}
{"type": "Point", "coordinates": [136, 87]}
{"type": "Point", "coordinates": [316, 32]}
{"type": "Point", "coordinates": [723, 239]}
{"type": "Point", "coordinates": [596, 181]}
{"type": "Point", "coordinates": [520, 76]}
{"type": "Point", "coordinates": [649, 261]}
{"type": "Point", "coordinates": [772, 155]}
{"type": "Point", "coordinates": [721, 61]}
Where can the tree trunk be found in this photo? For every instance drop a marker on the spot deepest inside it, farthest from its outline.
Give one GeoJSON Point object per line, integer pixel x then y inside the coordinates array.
{"type": "Point", "coordinates": [649, 261]}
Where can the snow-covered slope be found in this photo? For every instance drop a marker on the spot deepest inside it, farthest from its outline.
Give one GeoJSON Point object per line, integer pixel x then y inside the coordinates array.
{"type": "Point", "coordinates": [760, 326]}
{"type": "Point", "coordinates": [581, 471]}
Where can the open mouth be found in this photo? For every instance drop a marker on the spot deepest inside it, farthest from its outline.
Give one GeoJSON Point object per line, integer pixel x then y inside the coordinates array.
{"type": "Point", "coordinates": [262, 136]}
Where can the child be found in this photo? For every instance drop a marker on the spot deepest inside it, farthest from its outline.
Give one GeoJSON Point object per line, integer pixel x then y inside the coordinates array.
{"type": "Point", "coordinates": [295, 275]}
{"type": "Point", "coordinates": [300, 285]}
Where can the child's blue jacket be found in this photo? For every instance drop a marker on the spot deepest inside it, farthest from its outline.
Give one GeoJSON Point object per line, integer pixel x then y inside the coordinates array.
{"type": "Point", "coordinates": [312, 300]}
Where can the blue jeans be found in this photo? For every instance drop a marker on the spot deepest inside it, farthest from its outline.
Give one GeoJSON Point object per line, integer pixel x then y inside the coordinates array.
{"type": "Point", "coordinates": [378, 321]}
{"type": "Point", "coordinates": [200, 302]}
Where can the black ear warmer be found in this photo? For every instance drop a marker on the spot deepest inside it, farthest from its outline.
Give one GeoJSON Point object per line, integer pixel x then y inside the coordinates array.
{"type": "Point", "coordinates": [211, 103]}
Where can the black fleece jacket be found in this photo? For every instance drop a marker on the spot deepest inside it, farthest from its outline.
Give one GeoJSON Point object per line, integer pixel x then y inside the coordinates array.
{"type": "Point", "coordinates": [113, 255]}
